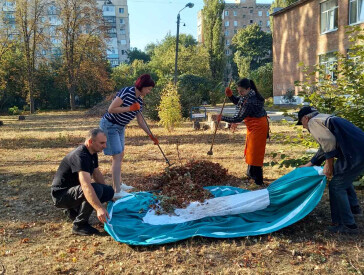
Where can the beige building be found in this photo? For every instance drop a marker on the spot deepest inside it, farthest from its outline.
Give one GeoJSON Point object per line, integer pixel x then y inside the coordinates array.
{"type": "Point", "coordinates": [239, 15]}
{"type": "Point", "coordinates": [309, 31]}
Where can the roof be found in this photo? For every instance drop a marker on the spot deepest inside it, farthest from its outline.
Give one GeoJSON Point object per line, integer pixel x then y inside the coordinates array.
{"type": "Point", "coordinates": [292, 6]}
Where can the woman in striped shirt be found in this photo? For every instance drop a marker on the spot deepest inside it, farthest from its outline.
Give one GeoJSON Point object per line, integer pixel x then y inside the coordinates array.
{"type": "Point", "coordinates": [126, 105]}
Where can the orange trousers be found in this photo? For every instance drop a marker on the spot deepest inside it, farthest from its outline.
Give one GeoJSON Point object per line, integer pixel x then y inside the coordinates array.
{"type": "Point", "coordinates": [256, 140]}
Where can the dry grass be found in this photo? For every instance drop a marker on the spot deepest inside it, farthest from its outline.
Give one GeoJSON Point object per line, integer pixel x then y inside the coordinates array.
{"type": "Point", "coordinates": [36, 238]}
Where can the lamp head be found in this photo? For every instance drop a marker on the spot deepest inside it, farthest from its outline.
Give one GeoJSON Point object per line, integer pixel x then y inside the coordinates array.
{"type": "Point", "coordinates": [190, 5]}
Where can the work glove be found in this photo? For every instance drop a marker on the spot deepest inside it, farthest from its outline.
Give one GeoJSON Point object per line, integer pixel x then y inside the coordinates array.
{"type": "Point", "coordinates": [228, 92]}
{"type": "Point", "coordinates": [134, 107]}
{"type": "Point", "coordinates": [155, 140]}
{"type": "Point", "coordinates": [218, 118]}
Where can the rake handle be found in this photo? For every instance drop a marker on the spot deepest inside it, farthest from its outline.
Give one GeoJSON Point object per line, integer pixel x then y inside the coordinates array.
{"type": "Point", "coordinates": [218, 123]}
{"type": "Point", "coordinates": [146, 124]}
{"type": "Point", "coordinates": [217, 126]}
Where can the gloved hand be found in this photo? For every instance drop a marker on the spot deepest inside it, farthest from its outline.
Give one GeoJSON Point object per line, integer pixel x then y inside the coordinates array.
{"type": "Point", "coordinates": [134, 107]}
{"type": "Point", "coordinates": [155, 140]}
{"type": "Point", "coordinates": [218, 118]}
{"type": "Point", "coordinates": [228, 92]}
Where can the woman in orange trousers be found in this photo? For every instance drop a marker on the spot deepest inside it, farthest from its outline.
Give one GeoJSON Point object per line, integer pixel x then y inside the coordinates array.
{"type": "Point", "coordinates": [250, 109]}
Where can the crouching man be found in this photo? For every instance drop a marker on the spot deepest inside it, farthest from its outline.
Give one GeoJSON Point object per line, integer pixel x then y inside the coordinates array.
{"type": "Point", "coordinates": [73, 190]}
{"type": "Point", "coordinates": [341, 140]}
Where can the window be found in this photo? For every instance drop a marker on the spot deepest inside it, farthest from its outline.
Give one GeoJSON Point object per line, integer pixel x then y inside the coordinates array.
{"type": "Point", "coordinates": [122, 31]}
{"type": "Point", "coordinates": [260, 13]}
{"type": "Point", "coordinates": [268, 23]}
{"type": "Point", "coordinates": [227, 52]}
{"type": "Point", "coordinates": [235, 13]}
{"type": "Point", "coordinates": [227, 42]}
{"type": "Point", "coordinates": [121, 10]}
{"type": "Point", "coordinates": [244, 26]}
{"type": "Point", "coordinates": [123, 52]}
{"type": "Point", "coordinates": [267, 13]}
{"type": "Point", "coordinates": [226, 23]}
{"type": "Point", "coordinates": [123, 42]}
{"type": "Point", "coordinates": [328, 61]}
{"type": "Point", "coordinates": [356, 11]}
{"type": "Point", "coordinates": [226, 33]}
{"type": "Point", "coordinates": [260, 23]}
{"type": "Point", "coordinates": [329, 16]}
{"type": "Point", "coordinates": [251, 11]}
{"type": "Point", "coordinates": [52, 10]}
{"type": "Point", "coordinates": [251, 21]}
{"type": "Point", "coordinates": [121, 21]}
{"type": "Point", "coordinates": [226, 13]}
{"type": "Point", "coordinates": [235, 31]}
{"type": "Point", "coordinates": [243, 15]}
{"type": "Point", "coordinates": [235, 23]}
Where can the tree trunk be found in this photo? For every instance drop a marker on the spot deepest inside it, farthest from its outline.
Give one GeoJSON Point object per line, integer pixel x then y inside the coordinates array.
{"type": "Point", "coordinates": [31, 102]}
{"type": "Point", "coordinates": [72, 97]}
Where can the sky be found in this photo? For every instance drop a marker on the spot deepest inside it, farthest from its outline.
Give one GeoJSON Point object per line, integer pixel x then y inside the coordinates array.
{"type": "Point", "coordinates": [151, 20]}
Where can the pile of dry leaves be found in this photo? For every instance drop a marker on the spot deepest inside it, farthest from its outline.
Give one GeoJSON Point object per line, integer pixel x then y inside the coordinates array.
{"type": "Point", "coordinates": [177, 186]}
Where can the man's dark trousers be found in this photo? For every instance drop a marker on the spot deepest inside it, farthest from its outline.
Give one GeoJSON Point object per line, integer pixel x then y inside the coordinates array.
{"type": "Point", "coordinates": [73, 198]}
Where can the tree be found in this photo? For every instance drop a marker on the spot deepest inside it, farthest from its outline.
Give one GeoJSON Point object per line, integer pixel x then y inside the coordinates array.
{"type": "Point", "coordinates": [254, 43]}
{"type": "Point", "coordinates": [136, 54]}
{"type": "Point", "coordinates": [263, 78]}
{"type": "Point", "coordinates": [125, 75]}
{"type": "Point", "coordinates": [12, 78]}
{"type": "Point", "coordinates": [94, 81]}
{"type": "Point", "coordinates": [243, 64]}
{"type": "Point", "coordinates": [28, 15]}
{"type": "Point", "coordinates": [213, 38]}
{"type": "Point", "coordinates": [193, 90]}
{"type": "Point", "coordinates": [169, 109]}
{"type": "Point", "coordinates": [81, 23]}
{"type": "Point", "coordinates": [192, 58]}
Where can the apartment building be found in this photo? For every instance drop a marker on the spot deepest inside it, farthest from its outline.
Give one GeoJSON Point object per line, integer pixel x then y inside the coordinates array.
{"type": "Point", "coordinates": [310, 31]}
{"type": "Point", "coordinates": [239, 15]}
{"type": "Point", "coordinates": [115, 14]}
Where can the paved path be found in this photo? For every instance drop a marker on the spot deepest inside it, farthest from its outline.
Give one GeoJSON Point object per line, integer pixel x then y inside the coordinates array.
{"type": "Point", "coordinates": [274, 115]}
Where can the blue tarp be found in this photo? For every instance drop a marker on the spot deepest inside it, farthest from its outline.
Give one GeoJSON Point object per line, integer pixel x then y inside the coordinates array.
{"type": "Point", "coordinates": [234, 212]}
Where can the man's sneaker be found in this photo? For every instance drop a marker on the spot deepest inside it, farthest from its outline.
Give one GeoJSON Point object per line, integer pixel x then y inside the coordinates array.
{"type": "Point", "coordinates": [356, 210]}
{"type": "Point", "coordinates": [120, 195]}
{"type": "Point", "coordinates": [71, 214]}
{"type": "Point", "coordinates": [125, 187]}
{"type": "Point", "coordinates": [84, 230]}
{"type": "Point", "coordinates": [344, 229]}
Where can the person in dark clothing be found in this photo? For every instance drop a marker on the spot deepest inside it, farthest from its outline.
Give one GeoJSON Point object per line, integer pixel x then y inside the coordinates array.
{"type": "Point", "coordinates": [73, 190]}
{"type": "Point", "coordinates": [250, 109]}
{"type": "Point", "coordinates": [341, 140]}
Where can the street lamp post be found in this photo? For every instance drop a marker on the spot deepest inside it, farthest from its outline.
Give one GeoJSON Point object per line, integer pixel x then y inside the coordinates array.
{"type": "Point", "coordinates": [189, 5]}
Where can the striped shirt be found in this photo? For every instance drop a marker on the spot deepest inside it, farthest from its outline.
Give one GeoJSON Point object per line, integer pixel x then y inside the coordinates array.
{"type": "Point", "coordinates": [128, 97]}
{"type": "Point", "coordinates": [246, 106]}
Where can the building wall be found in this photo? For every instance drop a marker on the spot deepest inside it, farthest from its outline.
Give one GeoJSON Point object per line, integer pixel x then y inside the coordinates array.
{"type": "Point", "coordinates": [297, 38]}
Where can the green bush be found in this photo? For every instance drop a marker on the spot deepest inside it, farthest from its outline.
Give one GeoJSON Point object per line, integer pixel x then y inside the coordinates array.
{"type": "Point", "coordinates": [13, 111]}
{"type": "Point", "coordinates": [263, 78]}
{"type": "Point", "coordinates": [193, 90]}
{"type": "Point", "coordinates": [169, 110]}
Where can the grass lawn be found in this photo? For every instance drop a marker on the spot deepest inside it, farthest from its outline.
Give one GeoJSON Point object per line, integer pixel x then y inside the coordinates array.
{"type": "Point", "coordinates": [36, 237]}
